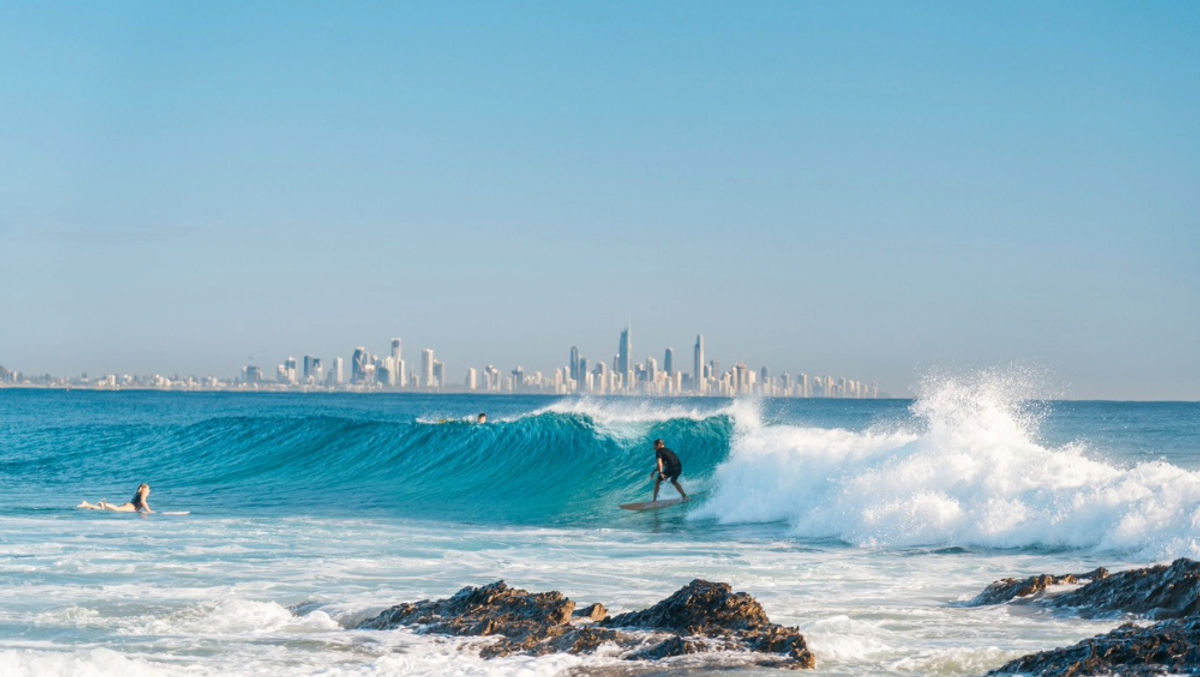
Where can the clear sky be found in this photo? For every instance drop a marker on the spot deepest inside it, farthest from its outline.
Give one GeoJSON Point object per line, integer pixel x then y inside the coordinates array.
{"type": "Point", "coordinates": [867, 190]}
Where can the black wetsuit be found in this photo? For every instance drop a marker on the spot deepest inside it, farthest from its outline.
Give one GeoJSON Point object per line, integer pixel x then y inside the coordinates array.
{"type": "Point", "coordinates": [137, 501]}
{"type": "Point", "coordinates": [671, 467]}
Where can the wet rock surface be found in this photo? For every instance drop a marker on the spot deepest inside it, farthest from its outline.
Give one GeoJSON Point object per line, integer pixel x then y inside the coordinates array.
{"type": "Point", "coordinates": [701, 617]}
{"type": "Point", "coordinates": [1158, 592]}
{"type": "Point", "coordinates": [1166, 591]}
{"type": "Point", "coordinates": [1007, 589]}
{"type": "Point", "coordinates": [1167, 648]}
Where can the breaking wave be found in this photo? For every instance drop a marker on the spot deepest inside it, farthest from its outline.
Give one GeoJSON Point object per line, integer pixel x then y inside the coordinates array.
{"type": "Point", "coordinates": [966, 469]}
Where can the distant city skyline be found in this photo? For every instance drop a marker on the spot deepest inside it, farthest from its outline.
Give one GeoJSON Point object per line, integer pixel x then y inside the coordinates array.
{"type": "Point", "coordinates": [869, 188]}
{"type": "Point", "coordinates": [390, 372]}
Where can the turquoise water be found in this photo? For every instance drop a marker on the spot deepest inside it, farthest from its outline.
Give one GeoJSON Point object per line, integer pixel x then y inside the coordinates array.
{"type": "Point", "coordinates": [860, 521]}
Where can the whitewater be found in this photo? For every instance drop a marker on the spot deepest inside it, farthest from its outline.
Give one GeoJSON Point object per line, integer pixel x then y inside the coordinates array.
{"type": "Point", "coordinates": [864, 523]}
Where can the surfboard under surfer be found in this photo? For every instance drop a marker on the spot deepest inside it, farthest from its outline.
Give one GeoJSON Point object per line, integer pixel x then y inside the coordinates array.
{"type": "Point", "coordinates": [136, 504]}
{"type": "Point", "coordinates": [667, 467]}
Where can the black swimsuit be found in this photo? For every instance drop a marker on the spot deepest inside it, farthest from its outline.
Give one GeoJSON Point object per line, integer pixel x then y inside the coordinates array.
{"type": "Point", "coordinates": [137, 501]}
{"type": "Point", "coordinates": [671, 467]}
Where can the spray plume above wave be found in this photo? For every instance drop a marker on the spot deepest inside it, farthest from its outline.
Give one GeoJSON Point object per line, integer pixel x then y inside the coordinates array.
{"type": "Point", "coordinates": [967, 471]}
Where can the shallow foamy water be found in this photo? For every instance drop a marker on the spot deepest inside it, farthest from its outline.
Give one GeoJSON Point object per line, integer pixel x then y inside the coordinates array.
{"type": "Point", "coordinates": [190, 595]}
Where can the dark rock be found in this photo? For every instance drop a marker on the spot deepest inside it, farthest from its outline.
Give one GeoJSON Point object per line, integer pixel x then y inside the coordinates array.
{"type": "Point", "coordinates": [700, 607]}
{"type": "Point", "coordinates": [675, 646]}
{"type": "Point", "coordinates": [1007, 589]}
{"type": "Point", "coordinates": [595, 612]}
{"type": "Point", "coordinates": [700, 617]}
{"type": "Point", "coordinates": [1169, 647]}
{"type": "Point", "coordinates": [713, 610]}
{"type": "Point", "coordinates": [524, 619]}
{"type": "Point", "coordinates": [1157, 592]}
{"type": "Point", "coordinates": [581, 640]}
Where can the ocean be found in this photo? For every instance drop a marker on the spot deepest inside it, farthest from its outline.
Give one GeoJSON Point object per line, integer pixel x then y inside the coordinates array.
{"type": "Point", "coordinates": [867, 523]}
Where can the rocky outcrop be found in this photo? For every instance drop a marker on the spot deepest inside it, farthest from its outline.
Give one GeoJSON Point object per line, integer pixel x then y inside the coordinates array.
{"type": "Point", "coordinates": [1157, 592]}
{"type": "Point", "coordinates": [730, 621]}
{"type": "Point", "coordinates": [700, 617]}
{"type": "Point", "coordinates": [1170, 592]}
{"type": "Point", "coordinates": [592, 612]}
{"type": "Point", "coordinates": [1007, 589]}
{"type": "Point", "coordinates": [524, 620]}
{"type": "Point", "coordinates": [1167, 648]}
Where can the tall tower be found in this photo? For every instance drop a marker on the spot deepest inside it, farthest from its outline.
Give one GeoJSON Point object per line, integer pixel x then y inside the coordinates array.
{"type": "Point", "coordinates": [358, 365]}
{"type": "Point", "coordinates": [669, 361]}
{"type": "Point", "coordinates": [575, 362]}
{"type": "Point", "coordinates": [396, 349]}
{"type": "Point", "coordinates": [698, 380]}
{"type": "Point", "coordinates": [427, 367]}
{"type": "Point", "coordinates": [623, 352]}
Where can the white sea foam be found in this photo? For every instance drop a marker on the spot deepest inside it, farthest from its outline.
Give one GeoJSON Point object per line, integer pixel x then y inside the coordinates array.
{"type": "Point", "coordinates": [89, 663]}
{"type": "Point", "coordinates": [972, 473]}
{"type": "Point", "coordinates": [620, 411]}
{"type": "Point", "coordinates": [236, 617]}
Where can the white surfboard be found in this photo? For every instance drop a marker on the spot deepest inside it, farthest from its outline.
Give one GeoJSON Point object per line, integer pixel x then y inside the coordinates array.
{"type": "Point", "coordinates": [174, 513]}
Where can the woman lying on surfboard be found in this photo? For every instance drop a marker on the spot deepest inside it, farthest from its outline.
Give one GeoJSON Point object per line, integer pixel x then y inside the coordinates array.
{"type": "Point", "coordinates": [136, 504]}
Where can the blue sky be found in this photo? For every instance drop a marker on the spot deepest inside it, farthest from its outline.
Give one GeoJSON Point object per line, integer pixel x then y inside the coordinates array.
{"type": "Point", "coordinates": [860, 189]}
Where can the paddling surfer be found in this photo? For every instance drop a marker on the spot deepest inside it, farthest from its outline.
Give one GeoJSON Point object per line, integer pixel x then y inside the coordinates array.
{"type": "Point", "coordinates": [136, 504]}
{"type": "Point", "coordinates": [667, 467]}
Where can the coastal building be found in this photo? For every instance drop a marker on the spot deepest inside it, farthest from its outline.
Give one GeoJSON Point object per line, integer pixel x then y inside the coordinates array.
{"type": "Point", "coordinates": [358, 365]}
{"type": "Point", "coordinates": [427, 368]}
{"type": "Point", "coordinates": [623, 351]}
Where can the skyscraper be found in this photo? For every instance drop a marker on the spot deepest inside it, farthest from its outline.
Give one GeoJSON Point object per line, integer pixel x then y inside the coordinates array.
{"type": "Point", "coordinates": [427, 367]}
{"type": "Point", "coordinates": [669, 361]}
{"type": "Point", "coordinates": [396, 349]}
{"type": "Point", "coordinates": [439, 373]}
{"type": "Point", "coordinates": [698, 379]}
{"type": "Point", "coordinates": [358, 365]}
{"type": "Point", "coordinates": [623, 350]}
{"type": "Point", "coordinates": [575, 362]}
{"type": "Point", "coordinates": [312, 369]}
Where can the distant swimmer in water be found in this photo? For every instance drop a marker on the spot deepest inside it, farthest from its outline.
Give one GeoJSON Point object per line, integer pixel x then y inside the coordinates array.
{"type": "Point", "coordinates": [482, 418]}
{"type": "Point", "coordinates": [667, 467]}
{"type": "Point", "coordinates": [136, 504]}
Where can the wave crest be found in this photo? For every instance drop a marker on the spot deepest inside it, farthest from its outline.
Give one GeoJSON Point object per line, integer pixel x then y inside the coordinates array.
{"type": "Point", "coordinates": [967, 471]}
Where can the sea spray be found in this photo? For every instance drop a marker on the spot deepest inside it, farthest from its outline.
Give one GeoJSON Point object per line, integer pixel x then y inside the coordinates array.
{"type": "Point", "coordinates": [968, 470]}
